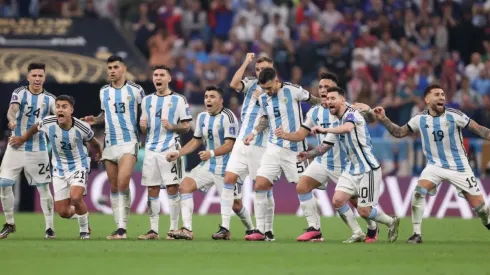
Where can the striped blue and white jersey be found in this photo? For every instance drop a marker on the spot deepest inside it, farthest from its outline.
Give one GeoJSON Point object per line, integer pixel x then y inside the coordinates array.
{"type": "Point", "coordinates": [442, 140]}
{"type": "Point", "coordinates": [121, 111]}
{"type": "Point", "coordinates": [33, 109]}
{"type": "Point", "coordinates": [284, 110]}
{"type": "Point", "coordinates": [214, 130]}
{"type": "Point", "coordinates": [69, 153]}
{"type": "Point", "coordinates": [356, 144]}
{"type": "Point", "coordinates": [172, 107]}
{"type": "Point", "coordinates": [250, 113]}
{"type": "Point", "coordinates": [336, 158]}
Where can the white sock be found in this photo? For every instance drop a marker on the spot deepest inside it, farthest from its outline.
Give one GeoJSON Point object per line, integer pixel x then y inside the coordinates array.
{"type": "Point", "coordinates": [174, 205]}
{"type": "Point", "coordinates": [83, 222]}
{"type": "Point", "coordinates": [187, 207]}
{"type": "Point", "coordinates": [347, 216]}
{"type": "Point", "coordinates": [8, 201]}
{"type": "Point", "coordinates": [245, 218]}
{"type": "Point", "coordinates": [227, 196]}
{"type": "Point", "coordinates": [380, 217]}
{"type": "Point", "coordinates": [418, 204]}
{"type": "Point", "coordinates": [310, 210]}
{"type": "Point", "coordinates": [484, 213]}
{"type": "Point", "coordinates": [115, 207]}
{"type": "Point", "coordinates": [154, 212]}
{"type": "Point", "coordinates": [260, 205]}
{"type": "Point", "coordinates": [47, 204]}
{"type": "Point", "coordinates": [269, 216]}
{"type": "Point", "coordinates": [124, 208]}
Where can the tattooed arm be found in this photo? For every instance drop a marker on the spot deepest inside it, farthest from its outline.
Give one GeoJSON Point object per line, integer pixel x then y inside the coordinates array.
{"type": "Point", "coordinates": [479, 130]}
{"type": "Point", "coordinates": [12, 115]}
{"type": "Point", "coordinates": [314, 100]}
{"type": "Point", "coordinates": [91, 120]}
{"type": "Point", "coordinates": [368, 116]}
{"type": "Point", "coordinates": [394, 129]}
{"type": "Point", "coordinates": [179, 128]}
{"type": "Point", "coordinates": [318, 151]}
{"type": "Point", "coordinates": [263, 124]}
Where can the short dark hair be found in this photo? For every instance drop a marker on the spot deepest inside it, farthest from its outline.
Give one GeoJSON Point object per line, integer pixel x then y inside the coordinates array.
{"type": "Point", "coordinates": [36, 66]}
{"type": "Point", "coordinates": [68, 98]}
{"type": "Point", "coordinates": [114, 58]}
{"type": "Point", "coordinates": [339, 90]}
{"type": "Point", "coordinates": [266, 75]}
{"type": "Point", "coordinates": [431, 87]}
{"type": "Point", "coordinates": [264, 59]}
{"type": "Point", "coordinates": [161, 67]}
{"type": "Point", "coordinates": [329, 76]}
{"type": "Point", "coordinates": [215, 88]}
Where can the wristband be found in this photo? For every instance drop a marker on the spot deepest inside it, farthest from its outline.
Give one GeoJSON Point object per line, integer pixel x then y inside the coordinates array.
{"type": "Point", "coordinates": [254, 132]}
{"type": "Point", "coordinates": [212, 153]}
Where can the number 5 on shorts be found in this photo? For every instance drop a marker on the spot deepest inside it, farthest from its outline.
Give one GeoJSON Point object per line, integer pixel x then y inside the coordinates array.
{"type": "Point", "coordinates": [301, 167]}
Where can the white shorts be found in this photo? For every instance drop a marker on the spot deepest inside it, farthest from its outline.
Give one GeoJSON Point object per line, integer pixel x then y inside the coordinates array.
{"type": "Point", "coordinates": [158, 171]}
{"type": "Point", "coordinates": [277, 159]}
{"type": "Point", "coordinates": [320, 173]}
{"type": "Point", "coordinates": [35, 165]}
{"type": "Point", "coordinates": [62, 185]}
{"type": "Point", "coordinates": [205, 180]}
{"type": "Point", "coordinates": [365, 186]}
{"type": "Point", "coordinates": [116, 152]}
{"type": "Point", "coordinates": [245, 160]}
{"type": "Point", "coordinates": [463, 181]}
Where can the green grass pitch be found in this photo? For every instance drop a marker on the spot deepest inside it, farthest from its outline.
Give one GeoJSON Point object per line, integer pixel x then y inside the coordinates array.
{"type": "Point", "coordinates": [452, 246]}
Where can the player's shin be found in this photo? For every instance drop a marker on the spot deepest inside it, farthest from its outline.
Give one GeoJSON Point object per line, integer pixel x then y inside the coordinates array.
{"type": "Point", "coordinates": [154, 212]}
{"type": "Point", "coordinates": [76, 196]}
{"type": "Point", "coordinates": [242, 212]}
{"type": "Point", "coordinates": [47, 204]}
{"type": "Point", "coordinates": [309, 207]}
{"type": "Point", "coordinates": [260, 205]}
{"type": "Point", "coordinates": [380, 217]}
{"type": "Point", "coordinates": [8, 201]}
{"type": "Point", "coordinates": [347, 215]}
{"type": "Point", "coordinates": [269, 216]}
{"type": "Point", "coordinates": [187, 207]}
{"type": "Point", "coordinates": [115, 206]}
{"type": "Point", "coordinates": [418, 203]}
{"type": "Point", "coordinates": [483, 212]}
{"type": "Point", "coordinates": [227, 196]}
{"type": "Point", "coordinates": [174, 205]}
{"type": "Point", "coordinates": [124, 208]}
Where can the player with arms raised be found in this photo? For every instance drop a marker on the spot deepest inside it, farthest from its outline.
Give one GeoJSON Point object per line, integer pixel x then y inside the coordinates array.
{"type": "Point", "coordinates": [119, 103]}
{"type": "Point", "coordinates": [281, 104]}
{"type": "Point", "coordinates": [165, 115]}
{"type": "Point", "coordinates": [71, 163]}
{"type": "Point", "coordinates": [217, 128]}
{"type": "Point", "coordinates": [328, 166]}
{"type": "Point", "coordinates": [28, 106]}
{"type": "Point", "coordinates": [442, 143]}
{"type": "Point", "coordinates": [362, 175]}
{"type": "Point", "coordinates": [245, 160]}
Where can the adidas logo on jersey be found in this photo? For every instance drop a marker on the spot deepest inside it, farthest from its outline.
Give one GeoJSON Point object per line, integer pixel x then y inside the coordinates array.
{"type": "Point", "coordinates": [363, 201]}
{"type": "Point", "coordinates": [176, 178]}
{"type": "Point", "coordinates": [55, 136]}
{"type": "Point", "coordinates": [80, 181]}
{"type": "Point", "coordinates": [426, 126]}
{"type": "Point", "coordinates": [48, 177]}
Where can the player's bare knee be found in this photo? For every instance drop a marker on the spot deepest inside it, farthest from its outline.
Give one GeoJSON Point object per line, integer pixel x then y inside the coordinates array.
{"type": "Point", "coordinates": [338, 200]}
{"type": "Point", "coordinates": [231, 178]}
{"type": "Point", "coordinates": [76, 200]}
{"type": "Point", "coordinates": [364, 211]}
{"type": "Point", "coordinates": [262, 184]}
{"type": "Point", "coordinates": [64, 212]}
{"type": "Point", "coordinates": [153, 191]}
{"type": "Point", "coordinates": [237, 206]}
{"type": "Point", "coordinates": [303, 187]}
{"type": "Point", "coordinates": [172, 189]}
{"type": "Point", "coordinates": [187, 186]}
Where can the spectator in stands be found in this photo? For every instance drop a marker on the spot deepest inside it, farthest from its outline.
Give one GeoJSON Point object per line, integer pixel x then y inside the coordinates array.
{"type": "Point", "coordinates": [245, 30]}
{"type": "Point", "coordinates": [143, 29]}
{"type": "Point", "coordinates": [169, 15]}
{"type": "Point", "coordinates": [467, 98]}
{"type": "Point", "coordinates": [5, 9]}
{"type": "Point", "coordinates": [194, 21]}
{"type": "Point", "coordinates": [71, 8]}
{"type": "Point", "coordinates": [221, 18]}
{"type": "Point", "coordinates": [269, 32]}
{"type": "Point", "coordinates": [49, 8]}
{"type": "Point", "coordinates": [482, 82]}
{"type": "Point", "coordinates": [330, 16]}
{"type": "Point", "coordinates": [482, 115]}
{"type": "Point", "coordinates": [473, 69]}
{"type": "Point", "coordinates": [161, 45]}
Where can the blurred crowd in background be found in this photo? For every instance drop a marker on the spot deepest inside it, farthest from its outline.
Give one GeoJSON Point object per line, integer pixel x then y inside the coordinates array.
{"type": "Point", "coordinates": [383, 51]}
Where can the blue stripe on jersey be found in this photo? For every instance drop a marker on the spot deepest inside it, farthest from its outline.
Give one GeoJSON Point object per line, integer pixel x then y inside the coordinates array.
{"type": "Point", "coordinates": [368, 141]}
{"type": "Point", "coordinates": [112, 129]}
{"type": "Point", "coordinates": [68, 154]}
{"type": "Point", "coordinates": [291, 119]}
{"type": "Point", "coordinates": [31, 121]}
{"type": "Point", "coordinates": [343, 155]}
{"type": "Point", "coordinates": [361, 163]}
{"type": "Point", "coordinates": [204, 135]}
{"type": "Point", "coordinates": [171, 115]}
{"type": "Point", "coordinates": [132, 115]}
{"type": "Point", "coordinates": [425, 134]}
{"type": "Point", "coordinates": [148, 115]}
{"type": "Point", "coordinates": [212, 161]}
{"type": "Point", "coordinates": [330, 159]}
{"type": "Point", "coordinates": [158, 124]}
{"type": "Point", "coordinates": [314, 117]}
{"type": "Point", "coordinates": [440, 144]}
{"type": "Point", "coordinates": [42, 136]}
{"type": "Point", "coordinates": [221, 133]}
{"type": "Point", "coordinates": [120, 116]}
{"type": "Point", "coordinates": [454, 145]}
{"type": "Point", "coordinates": [18, 130]}
{"type": "Point", "coordinates": [278, 121]}
{"type": "Point", "coordinates": [81, 151]}
{"type": "Point", "coordinates": [246, 103]}
{"type": "Point", "coordinates": [52, 133]}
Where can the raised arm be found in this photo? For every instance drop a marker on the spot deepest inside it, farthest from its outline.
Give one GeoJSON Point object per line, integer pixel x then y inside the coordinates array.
{"type": "Point", "coordinates": [236, 81]}
{"type": "Point", "coordinates": [392, 128]}
{"type": "Point", "coordinates": [91, 120]}
{"type": "Point", "coordinates": [365, 111]}
{"type": "Point", "coordinates": [479, 130]}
